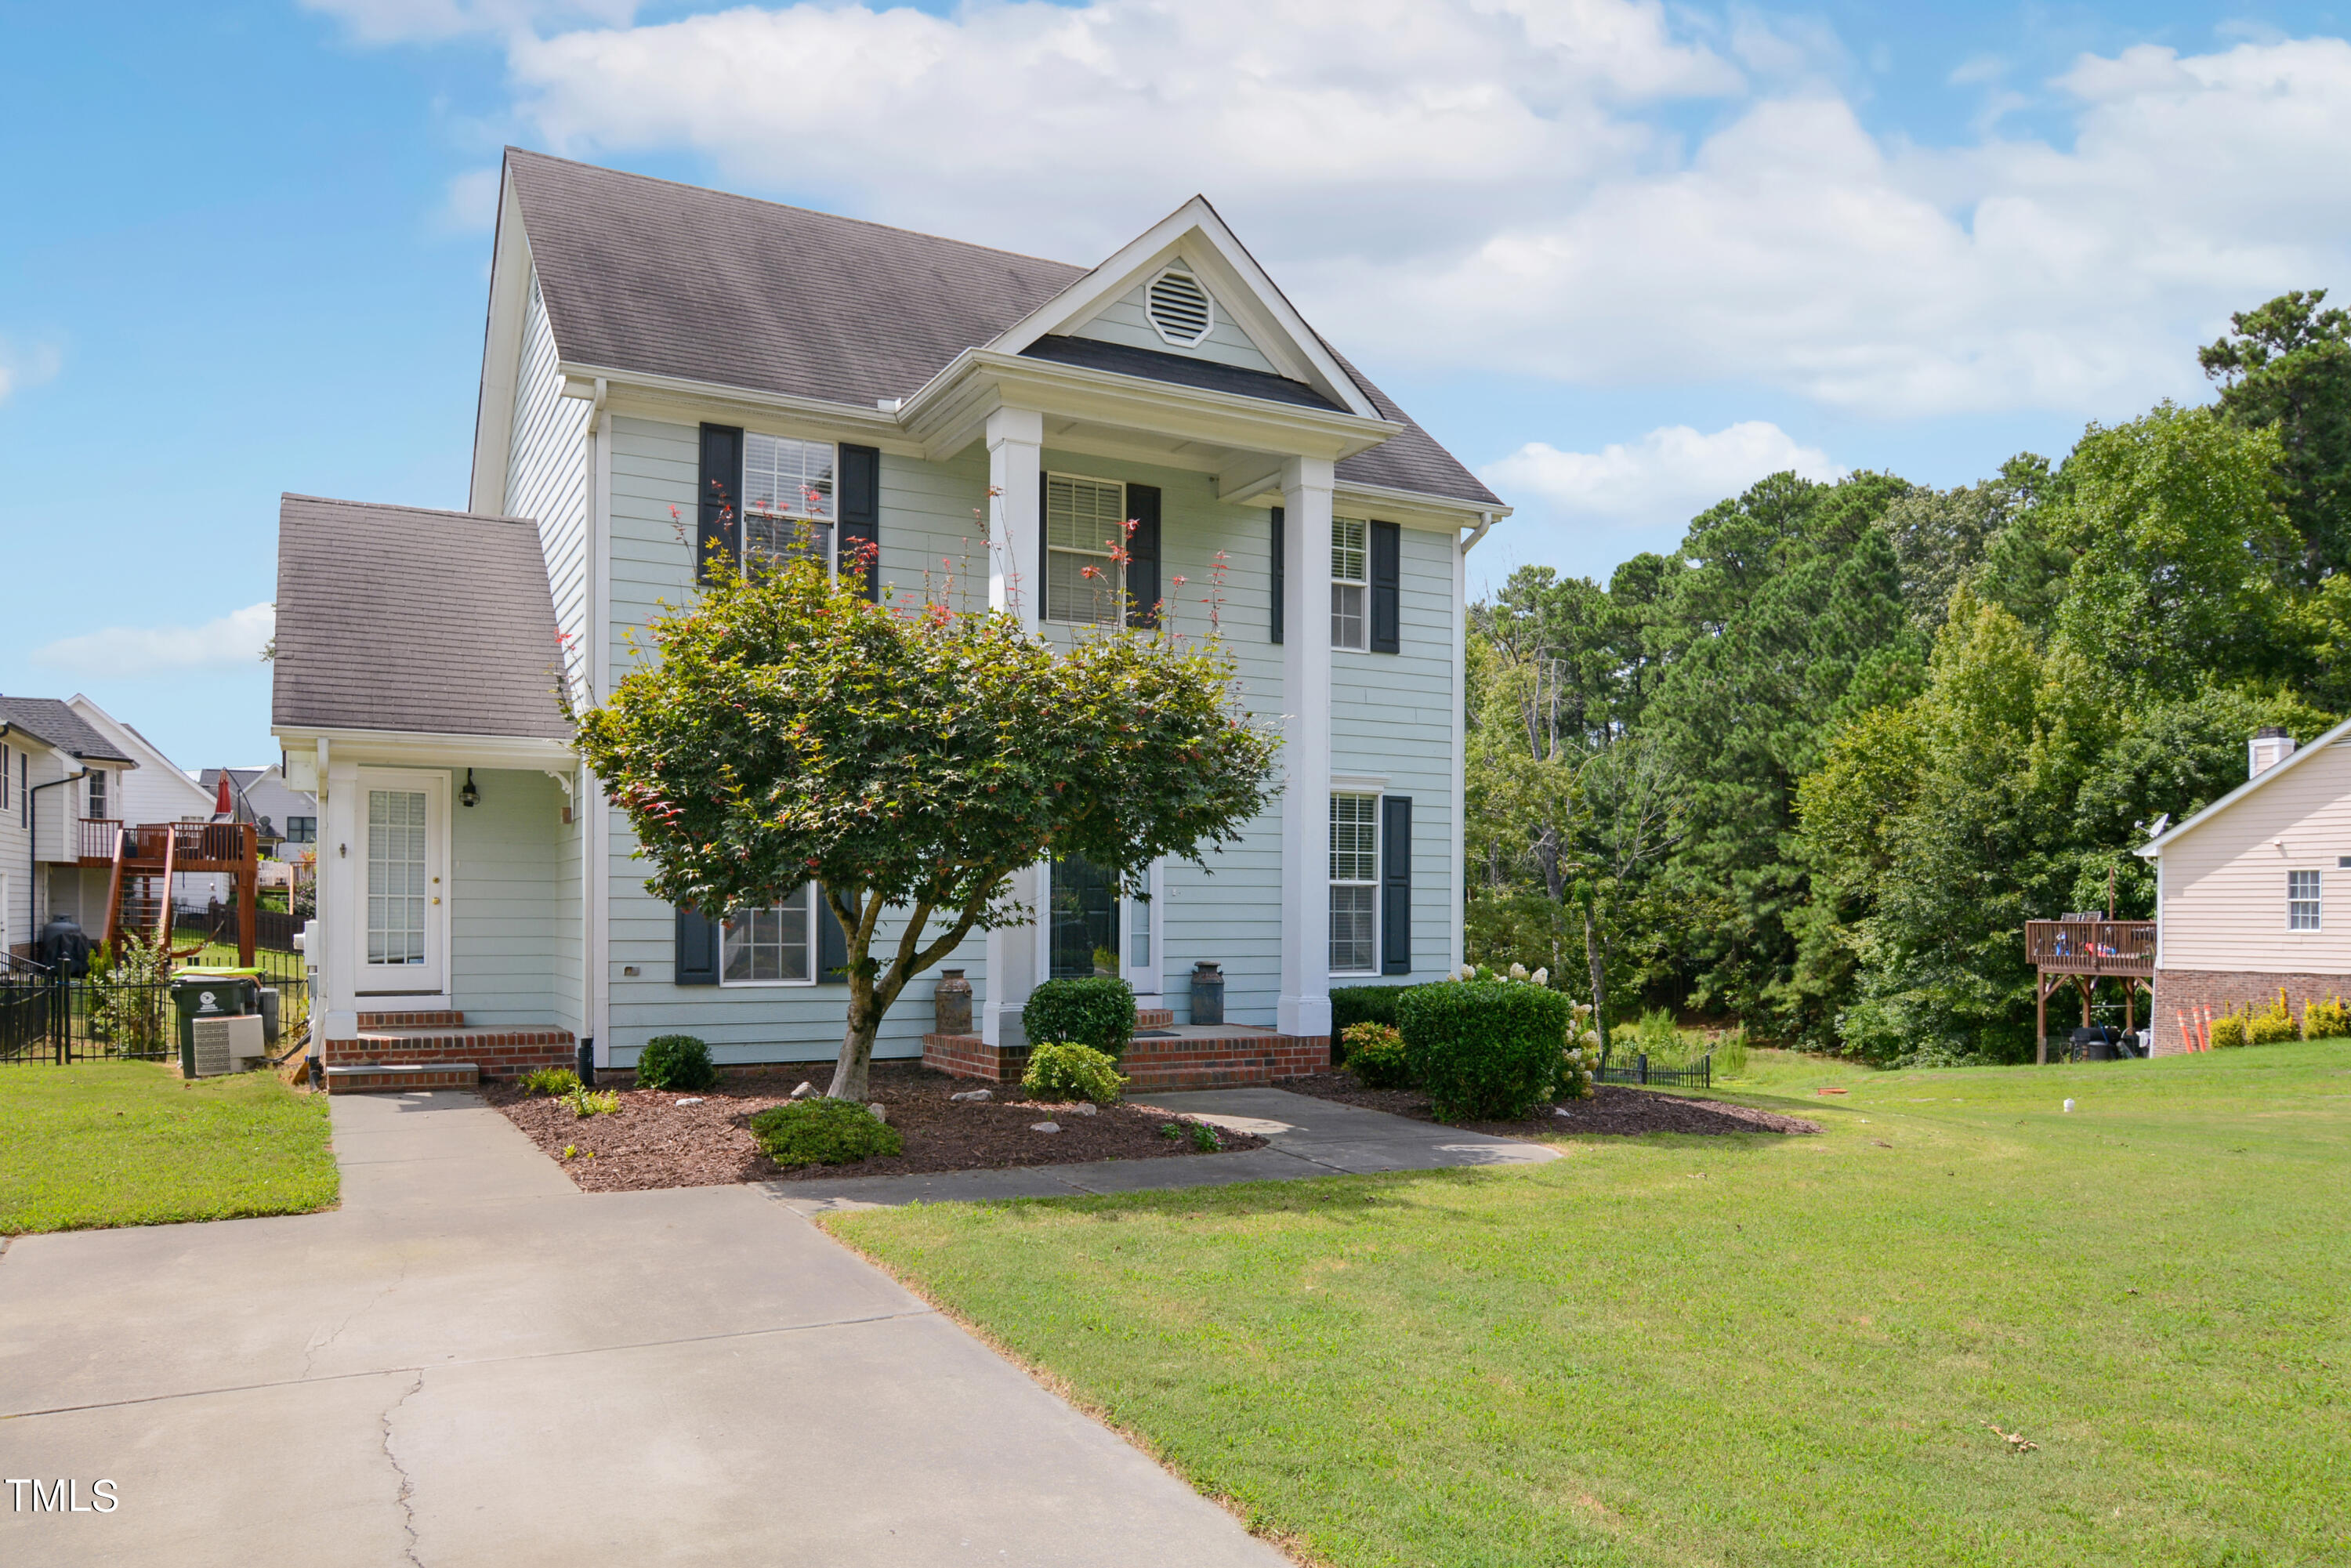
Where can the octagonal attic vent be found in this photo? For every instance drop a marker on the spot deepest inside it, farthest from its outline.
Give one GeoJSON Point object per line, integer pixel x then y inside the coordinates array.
{"type": "Point", "coordinates": [1180, 309]}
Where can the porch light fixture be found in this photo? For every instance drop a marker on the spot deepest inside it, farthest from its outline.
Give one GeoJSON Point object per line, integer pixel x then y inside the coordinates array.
{"type": "Point", "coordinates": [469, 796]}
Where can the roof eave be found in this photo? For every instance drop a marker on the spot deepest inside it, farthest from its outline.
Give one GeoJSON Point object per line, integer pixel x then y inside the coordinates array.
{"type": "Point", "coordinates": [2157, 845]}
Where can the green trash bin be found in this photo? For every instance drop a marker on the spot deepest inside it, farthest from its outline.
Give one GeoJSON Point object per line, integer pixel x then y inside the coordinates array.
{"type": "Point", "coordinates": [211, 993]}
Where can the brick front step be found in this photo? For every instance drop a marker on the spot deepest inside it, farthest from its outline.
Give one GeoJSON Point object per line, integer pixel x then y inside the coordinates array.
{"type": "Point", "coordinates": [494, 1052]}
{"type": "Point", "coordinates": [1153, 1017]}
{"type": "Point", "coordinates": [402, 1078]}
{"type": "Point", "coordinates": [411, 1020]}
{"type": "Point", "coordinates": [1209, 1060]}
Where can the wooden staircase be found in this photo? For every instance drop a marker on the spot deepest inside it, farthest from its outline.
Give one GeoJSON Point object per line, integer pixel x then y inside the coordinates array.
{"type": "Point", "coordinates": [145, 858]}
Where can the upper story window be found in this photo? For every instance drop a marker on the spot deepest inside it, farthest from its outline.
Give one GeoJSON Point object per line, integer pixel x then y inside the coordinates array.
{"type": "Point", "coordinates": [2301, 906]}
{"type": "Point", "coordinates": [1351, 584]}
{"type": "Point", "coordinates": [771, 946]}
{"type": "Point", "coordinates": [302, 830]}
{"type": "Point", "coordinates": [787, 499]}
{"type": "Point", "coordinates": [1355, 883]}
{"type": "Point", "coordinates": [97, 795]}
{"type": "Point", "coordinates": [1085, 530]}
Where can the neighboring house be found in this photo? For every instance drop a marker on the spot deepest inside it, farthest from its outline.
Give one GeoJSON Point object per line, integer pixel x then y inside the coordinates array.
{"type": "Point", "coordinates": [2254, 892]}
{"type": "Point", "coordinates": [63, 799]}
{"type": "Point", "coordinates": [660, 359]}
{"type": "Point", "coordinates": [287, 818]}
{"type": "Point", "coordinates": [156, 791]}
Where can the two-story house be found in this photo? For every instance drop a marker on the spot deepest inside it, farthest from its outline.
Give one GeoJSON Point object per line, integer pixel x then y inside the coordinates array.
{"type": "Point", "coordinates": [989, 420]}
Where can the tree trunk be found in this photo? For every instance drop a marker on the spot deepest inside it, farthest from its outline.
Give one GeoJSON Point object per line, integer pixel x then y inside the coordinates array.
{"type": "Point", "coordinates": [850, 1074]}
{"type": "Point", "coordinates": [1596, 954]}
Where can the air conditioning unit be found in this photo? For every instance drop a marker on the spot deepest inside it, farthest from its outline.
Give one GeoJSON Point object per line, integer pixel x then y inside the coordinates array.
{"type": "Point", "coordinates": [227, 1044]}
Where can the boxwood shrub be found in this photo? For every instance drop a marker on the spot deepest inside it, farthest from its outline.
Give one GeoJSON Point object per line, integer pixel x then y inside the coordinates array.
{"type": "Point", "coordinates": [1098, 1011]}
{"type": "Point", "coordinates": [1061, 1071]}
{"type": "Point", "coordinates": [823, 1133]}
{"type": "Point", "coordinates": [676, 1062]}
{"type": "Point", "coordinates": [1365, 1004]}
{"type": "Point", "coordinates": [1377, 1056]}
{"type": "Point", "coordinates": [1485, 1050]}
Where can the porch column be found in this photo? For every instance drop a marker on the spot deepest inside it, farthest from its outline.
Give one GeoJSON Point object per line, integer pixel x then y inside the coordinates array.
{"type": "Point", "coordinates": [1305, 1006]}
{"type": "Point", "coordinates": [1016, 439]}
{"type": "Point", "coordinates": [341, 918]}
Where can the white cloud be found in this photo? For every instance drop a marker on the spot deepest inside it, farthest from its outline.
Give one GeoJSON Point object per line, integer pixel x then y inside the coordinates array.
{"type": "Point", "coordinates": [400, 21]}
{"type": "Point", "coordinates": [1667, 477]}
{"type": "Point", "coordinates": [470, 204]}
{"type": "Point", "coordinates": [1485, 184]}
{"type": "Point", "coordinates": [25, 367]}
{"type": "Point", "coordinates": [234, 641]}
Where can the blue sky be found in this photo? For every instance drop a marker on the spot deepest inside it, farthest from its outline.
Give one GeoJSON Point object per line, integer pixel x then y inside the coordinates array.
{"type": "Point", "coordinates": [1621, 257]}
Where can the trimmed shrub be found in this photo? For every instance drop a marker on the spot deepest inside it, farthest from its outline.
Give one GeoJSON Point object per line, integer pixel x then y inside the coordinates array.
{"type": "Point", "coordinates": [2329, 1020]}
{"type": "Point", "coordinates": [1098, 1011]}
{"type": "Point", "coordinates": [823, 1133]}
{"type": "Point", "coordinates": [676, 1062]}
{"type": "Point", "coordinates": [2228, 1030]}
{"type": "Point", "coordinates": [1485, 1049]}
{"type": "Point", "coordinates": [1377, 1056]}
{"type": "Point", "coordinates": [1073, 1072]}
{"type": "Point", "coordinates": [1351, 1005]}
{"type": "Point", "coordinates": [548, 1081]}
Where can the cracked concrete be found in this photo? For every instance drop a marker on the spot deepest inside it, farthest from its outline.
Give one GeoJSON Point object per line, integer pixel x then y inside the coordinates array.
{"type": "Point", "coordinates": [550, 1376]}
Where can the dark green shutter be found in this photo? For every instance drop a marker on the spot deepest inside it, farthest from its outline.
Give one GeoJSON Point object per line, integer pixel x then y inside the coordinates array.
{"type": "Point", "coordinates": [1387, 572]}
{"type": "Point", "coordinates": [860, 498]}
{"type": "Point", "coordinates": [1143, 555]}
{"type": "Point", "coordinates": [1395, 885]}
{"type": "Point", "coordinates": [698, 949]}
{"type": "Point", "coordinates": [717, 533]}
{"type": "Point", "coordinates": [1279, 521]}
{"type": "Point", "coordinates": [831, 944]}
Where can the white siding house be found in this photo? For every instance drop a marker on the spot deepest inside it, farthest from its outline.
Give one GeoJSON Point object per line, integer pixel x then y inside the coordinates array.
{"type": "Point", "coordinates": [651, 346]}
{"type": "Point", "coordinates": [2253, 893]}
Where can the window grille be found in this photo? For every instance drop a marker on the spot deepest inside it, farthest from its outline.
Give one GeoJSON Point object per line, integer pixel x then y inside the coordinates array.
{"type": "Point", "coordinates": [1350, 577]}
{"type": "Point", "coordinates": [1355, 883]}
{"type": "Point", "coordinates": [788, 500]}
{"type": "Point", "coordinates": [770, 946]}
{"type": "Point", "coordinates": [2301, 905]}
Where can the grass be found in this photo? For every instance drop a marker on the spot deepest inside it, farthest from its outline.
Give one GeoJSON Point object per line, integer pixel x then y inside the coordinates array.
{"type": "Point", "coordinates": [1743, 1351]}
{"type": "Point", "coordinates": [128, 1142]}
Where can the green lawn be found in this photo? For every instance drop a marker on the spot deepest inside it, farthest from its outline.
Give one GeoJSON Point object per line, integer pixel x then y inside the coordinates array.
{"type": "Point", "coordinates": [128, 1143]}
{"type": "Point", "coordinates": [1748, 1350]}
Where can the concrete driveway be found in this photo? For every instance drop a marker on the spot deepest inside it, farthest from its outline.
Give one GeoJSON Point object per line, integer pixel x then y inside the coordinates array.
{"type": "Point", "coordinates": [472, 1362]}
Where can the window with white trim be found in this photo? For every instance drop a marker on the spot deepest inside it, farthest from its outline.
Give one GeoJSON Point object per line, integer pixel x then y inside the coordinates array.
{"type": "Point", "coordinates": [1354, 884]}
{"type": "Point", "coordinates": [2302, 907]}
{"type": "Point", "coordinates": [1085, 533]}
{"type": "Point", "coordinates": [787, 499]}
{"type": "Point", "coordinates": [1351, 584]}
{"type": "Point", "coordinates": [97, 796]}
{"type": "Point", "coordinates": [773, 946]}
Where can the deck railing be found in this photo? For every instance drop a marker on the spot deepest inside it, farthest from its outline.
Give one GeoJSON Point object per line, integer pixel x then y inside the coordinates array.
{"type": "Point", "coordinates": [217, 843]}
{"type": "Point", "coordinates": [97, 838]}
{"type": "Point", "coordinates": [2091, 946]}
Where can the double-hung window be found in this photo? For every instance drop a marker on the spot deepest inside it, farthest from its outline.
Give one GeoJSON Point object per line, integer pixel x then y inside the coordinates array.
{"type": "Point", "coordinates": [97, 796]}
{"type": "Point", "coordinates": [788, 500]}
{"type": "Point", "coordinates": [2302, 904]}
{"type": "Point", "coordinates": [1351, 584]}
{"type": "Point", "coordinates": [773, 946]}
{"type": "Point", "coordinates": [1354, 884]}
{"type": "Point", "coordinates": [1085, 533]}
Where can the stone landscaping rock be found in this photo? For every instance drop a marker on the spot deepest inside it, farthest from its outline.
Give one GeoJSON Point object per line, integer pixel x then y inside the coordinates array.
{"type": "Point", "coordinates": [1044, 1126]}
{"type": "Point", "coordinates": [880, 1112]}
{"type": "Point", "coordinates": [690, 1100]}
{"type": "Point", "coordinates": [1088, 1108]}
{"type": "Point", "coordinates": [804, 1090]}
{"type": "Point", "coordinates": [973, 1096]}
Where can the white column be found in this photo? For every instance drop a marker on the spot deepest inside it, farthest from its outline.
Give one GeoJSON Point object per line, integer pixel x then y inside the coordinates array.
{"type": "Point", "coordinates": [342, 862]}
{"type": "Point", "coordinates": [1304, 1007]}
{"type": "Point", "coordinates": [1016, 439]}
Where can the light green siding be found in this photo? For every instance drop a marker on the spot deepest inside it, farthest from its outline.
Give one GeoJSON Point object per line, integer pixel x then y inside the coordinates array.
{"type": "Point", "coordinates": [1124, 323]}
{"type": "Point", "coordinates": [508, 927]}
{"type": "Point", "coordinates": [546, 470]}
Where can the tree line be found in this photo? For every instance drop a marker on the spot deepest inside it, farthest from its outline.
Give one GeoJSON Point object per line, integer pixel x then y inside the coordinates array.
{"type": "Point", "coordinates": [1816, 769]}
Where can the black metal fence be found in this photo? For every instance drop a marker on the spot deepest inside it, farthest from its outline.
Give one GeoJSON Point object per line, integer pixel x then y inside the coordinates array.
{"type": "Point", "coordinates": [50, 1020]}
{"type": "Point", "coordinates": [1640, 1070]}
{"type": "Point", "coordinates": [273, 929]}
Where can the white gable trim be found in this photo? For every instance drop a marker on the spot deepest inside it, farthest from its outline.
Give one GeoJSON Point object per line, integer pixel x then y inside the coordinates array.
{"type": "Point", "coordinates": [1243, 291]}
{"type": "Point", "coordinates": [2156, 846]}
{"type": "Point", "coordinates": [510, 269]}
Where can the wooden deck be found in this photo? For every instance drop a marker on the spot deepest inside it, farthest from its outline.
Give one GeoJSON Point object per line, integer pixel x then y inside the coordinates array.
{"type": "Point", "coordinates": [2124, 947]}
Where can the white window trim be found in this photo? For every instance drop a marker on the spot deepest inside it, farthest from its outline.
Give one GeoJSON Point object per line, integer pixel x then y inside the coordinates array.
{"type": "Point", "coordinates": [1117, 589]}
{"type": "Point", "coordinates": [832, 525]}
{"type": "Point", "coordinates": [816, 955]}
{"type": "Point", "coordinates": [1360, 584]}
{"type": "Point", "coordinates": [2318, 904]}
{"type": "Point", "coordinates": [1378, 850]}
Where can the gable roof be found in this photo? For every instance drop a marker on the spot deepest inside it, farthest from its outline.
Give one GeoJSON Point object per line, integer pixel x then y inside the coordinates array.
{"type": "Point", "coordinates": [397, 618]}
{"type": "Point", "coordinates": [654, 276]}
{"type": "Point", "coordinates": [2156, 845]}
{"type": "Point", "coordinates": [159, 769]}
{"type": "Point", "coordinates": [49, 720]}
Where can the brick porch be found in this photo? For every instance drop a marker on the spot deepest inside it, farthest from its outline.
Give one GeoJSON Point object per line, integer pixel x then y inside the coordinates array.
{"type": "Point", "coordinates": [439, 1040]}
{"type": "Point", "coordinates": [1188, 1056]}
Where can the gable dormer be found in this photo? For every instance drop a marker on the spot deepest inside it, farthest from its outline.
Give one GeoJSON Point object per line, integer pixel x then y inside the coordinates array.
{"type": "Point", "coordinates": [1174, 312]}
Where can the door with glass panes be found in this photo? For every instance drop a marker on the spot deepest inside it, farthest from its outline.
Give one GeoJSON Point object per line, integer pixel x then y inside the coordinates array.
{"type": "Point", "coordinates": [402, 883]}
{"type": "Point", "coordinates": [1091, 930]}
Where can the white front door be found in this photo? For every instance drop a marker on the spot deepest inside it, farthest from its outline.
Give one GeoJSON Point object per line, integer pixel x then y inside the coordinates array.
{"type": "Point", "coordinates": [402, 885]}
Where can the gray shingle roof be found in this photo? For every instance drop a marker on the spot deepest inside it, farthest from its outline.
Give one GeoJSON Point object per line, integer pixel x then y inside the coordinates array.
{"type": "Point", "coordinates": [396, 617]}
{"type": "Point", "coordinates": [646, 274]}
{"type": "Point", "coordinates": [59, 725]}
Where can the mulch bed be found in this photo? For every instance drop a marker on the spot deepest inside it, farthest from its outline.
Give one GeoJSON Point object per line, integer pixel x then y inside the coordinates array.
{"type": "Point", "coordinates": [1613, 1110]}
{"type": "Point", "coordinates": [653, 1141]}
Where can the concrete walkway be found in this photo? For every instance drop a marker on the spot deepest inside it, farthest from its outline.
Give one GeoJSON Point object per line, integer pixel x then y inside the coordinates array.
{"type": "Point", "coordinates": [473, 1362]}
{"type": "Point", "coordinates": [1305, 1138]}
